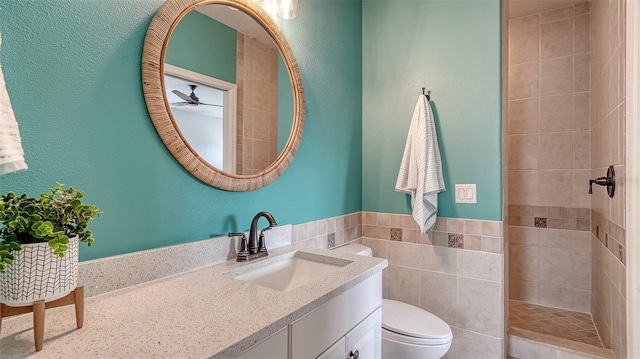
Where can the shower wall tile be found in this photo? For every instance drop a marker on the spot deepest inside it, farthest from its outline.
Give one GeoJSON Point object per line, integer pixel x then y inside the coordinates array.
{"type": "Point", "coordinates": [524, 21]}
{"type": "Point", "coordinates": [523, 81]}
{"type": "Point", "coordinates": [523, 116]}
{"type": "Point", "coordinates": [556, 39]}
{"type": "Point", "coordinates": [557, 14]}
{"type": "Point", "coordinates": [607, 148]}
{"type": "Point", "coordinates": [581, 72]}
{"type": "Point", "coordinates": [556, 113]}
{"type": "Point", "coordinates": [556, 76]}
{"type": "Point", "coordinates": [581, 111]}
{"type": "Point", "coordinates": [556, 150]}
{"type": "Point", "coordinates": [582, 34]}
{"type": "Point", "coordinates": [556, 188]}
{"type": "Point", "coordinates": [523, 45]}
{"type": "Point", "coordinates": [523, 154]}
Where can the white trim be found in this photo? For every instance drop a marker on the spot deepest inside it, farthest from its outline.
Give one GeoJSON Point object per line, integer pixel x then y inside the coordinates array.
{"type": "Point", "coordinates": [633, 177]}
{"type": "Point", "coordinates": [229, 113]}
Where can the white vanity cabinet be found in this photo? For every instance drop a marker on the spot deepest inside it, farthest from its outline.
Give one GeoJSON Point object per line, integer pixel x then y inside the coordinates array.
{"type": "Point", "coordinates": [311, 335]}
{"type": "Point", "coordinates": [274, 347]}
{"type": "Point", "coordinates": [350, 322]}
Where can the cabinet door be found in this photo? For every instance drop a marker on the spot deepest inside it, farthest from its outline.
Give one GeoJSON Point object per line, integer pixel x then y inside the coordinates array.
{"type": "Point", "coordinates": [274, 347]}
{"type": "Point", "coordinates": [365, 340]}
{"type": "Point", "coordinates": [335, 352]}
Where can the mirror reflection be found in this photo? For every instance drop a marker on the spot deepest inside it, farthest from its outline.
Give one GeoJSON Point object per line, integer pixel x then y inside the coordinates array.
{"type": "Point", "coordinates": [228, 89]}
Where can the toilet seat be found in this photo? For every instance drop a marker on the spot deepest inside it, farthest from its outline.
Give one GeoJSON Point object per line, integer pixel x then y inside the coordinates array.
{"type": "Point", "coordinates": [405, 323]}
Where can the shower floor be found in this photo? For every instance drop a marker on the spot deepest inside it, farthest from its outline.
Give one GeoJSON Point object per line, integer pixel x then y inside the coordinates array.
{"type": "Point", "coordinates": [553, 322]}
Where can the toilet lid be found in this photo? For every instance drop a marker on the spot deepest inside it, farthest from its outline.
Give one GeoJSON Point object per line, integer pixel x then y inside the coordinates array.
{"type": "Point", "coordinates": [412, 321]}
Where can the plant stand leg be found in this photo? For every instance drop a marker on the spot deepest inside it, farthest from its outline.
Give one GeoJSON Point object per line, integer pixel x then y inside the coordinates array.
{"type": "Point", "coordinates": [76, 297]}
{"type": "Point", "coordinates": [78, 301]}
{"type": "Point", "coordinates": [38, 323]}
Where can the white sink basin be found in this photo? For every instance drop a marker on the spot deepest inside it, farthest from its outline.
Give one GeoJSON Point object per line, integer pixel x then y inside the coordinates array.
{"type": "Point", "coordinates": [289, 271]}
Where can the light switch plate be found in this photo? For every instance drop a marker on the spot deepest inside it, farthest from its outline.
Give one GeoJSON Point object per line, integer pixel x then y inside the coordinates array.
{"type": "Point", "coordinates": [466, 193]}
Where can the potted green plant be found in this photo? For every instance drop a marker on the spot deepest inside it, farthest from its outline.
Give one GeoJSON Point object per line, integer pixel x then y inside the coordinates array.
{"type": "Point", "coordinates": [39, 244]}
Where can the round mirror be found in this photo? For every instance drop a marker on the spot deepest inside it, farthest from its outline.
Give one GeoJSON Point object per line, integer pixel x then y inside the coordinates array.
{"type": "Point", "coordinates": [224, 91]}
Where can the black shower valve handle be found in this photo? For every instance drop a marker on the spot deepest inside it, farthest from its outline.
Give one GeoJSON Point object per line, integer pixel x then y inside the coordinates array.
{"type": "Point", "coordinates": [609, 181]}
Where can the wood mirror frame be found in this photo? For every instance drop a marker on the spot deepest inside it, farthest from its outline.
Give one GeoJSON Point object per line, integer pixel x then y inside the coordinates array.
{"type": "Point", "coordinates": [153, 57]}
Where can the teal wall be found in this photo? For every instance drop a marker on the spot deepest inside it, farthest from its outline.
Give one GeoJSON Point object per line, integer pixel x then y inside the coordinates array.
{"type": "Point", "coordinates": [73, 73]}
{"type": "Point", "coordinates": [453, 49]}
{"type": "Point", "coordinates": [205, 46]}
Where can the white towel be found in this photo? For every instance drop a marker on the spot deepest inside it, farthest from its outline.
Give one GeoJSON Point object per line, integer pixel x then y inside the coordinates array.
{"type": "Point", "coordinates": [421, 169]}
{"type": "Point", "coordinates": [11, 153]}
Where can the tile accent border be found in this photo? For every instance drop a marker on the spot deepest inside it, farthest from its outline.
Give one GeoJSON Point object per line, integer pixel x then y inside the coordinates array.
{"type": "Point", "coordinates": [328, 233]}
{"type": "Point", "coordinates": [610, 234]}
{"type": "Point", "coordinates": [477, 235]}
{"type": "Point", "coordinates": [550, 217]}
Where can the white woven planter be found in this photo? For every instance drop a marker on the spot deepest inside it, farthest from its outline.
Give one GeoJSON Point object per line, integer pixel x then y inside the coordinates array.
{"type": "Point", "coordinates": [37, 274]}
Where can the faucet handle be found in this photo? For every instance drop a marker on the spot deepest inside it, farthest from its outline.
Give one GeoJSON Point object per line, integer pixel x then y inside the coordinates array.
{"type": "Point", "coordinates": [243, 253]}
{"type": "Point", "coordinates": [261, 241]}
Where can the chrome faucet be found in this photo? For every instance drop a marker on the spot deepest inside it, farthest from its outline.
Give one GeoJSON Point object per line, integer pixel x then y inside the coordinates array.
{"type": "Point", "coordinates": [256, 247]}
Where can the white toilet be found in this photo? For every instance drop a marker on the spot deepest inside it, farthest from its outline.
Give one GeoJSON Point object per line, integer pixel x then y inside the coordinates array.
{"type": "Point", "coordinates": [408, 332]}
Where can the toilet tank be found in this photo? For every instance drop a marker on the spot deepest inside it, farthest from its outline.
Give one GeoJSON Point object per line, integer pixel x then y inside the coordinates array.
{"type": "Point", "coordinates": [355, 248]}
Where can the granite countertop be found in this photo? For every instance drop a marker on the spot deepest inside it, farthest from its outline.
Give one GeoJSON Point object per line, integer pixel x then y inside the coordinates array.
{"type": "Point", "coordinates": [199, 314]}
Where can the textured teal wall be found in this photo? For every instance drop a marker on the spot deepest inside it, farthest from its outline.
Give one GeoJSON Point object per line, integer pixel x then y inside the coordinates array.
{"type": "Point", "coordinates": [73, 73]}
{"type": "Point", "coordinates": [453, 49]}
{"type": "Point", "coordinates": [205, 46]}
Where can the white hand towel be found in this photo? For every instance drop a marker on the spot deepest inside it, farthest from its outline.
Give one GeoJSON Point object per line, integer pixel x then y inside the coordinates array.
{"type": "Point", "coordinates": [420, 172]}
{"type": "Point", "coordinates": [11, 153]}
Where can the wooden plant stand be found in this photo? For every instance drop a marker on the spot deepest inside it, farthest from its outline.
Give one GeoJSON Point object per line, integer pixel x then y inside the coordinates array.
{"type": "Point", "coordinates": [76, 297]}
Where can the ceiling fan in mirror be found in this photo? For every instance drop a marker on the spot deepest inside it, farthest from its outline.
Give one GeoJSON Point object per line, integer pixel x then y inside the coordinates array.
{"type": "Point", "coordinates": [191, 99]}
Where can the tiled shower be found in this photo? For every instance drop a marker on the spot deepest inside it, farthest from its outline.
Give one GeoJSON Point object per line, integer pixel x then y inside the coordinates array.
{"type": "Point", "coordinates": [566, 101]}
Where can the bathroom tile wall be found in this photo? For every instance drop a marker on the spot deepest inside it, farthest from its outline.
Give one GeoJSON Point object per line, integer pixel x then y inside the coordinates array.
{"type": "Point", "coordinates": [257, 114]}
{"type": "Point", "coordinates": [607, 148]}
{"type": "Point", "coordinates": [456, 273]}
{"type": "Point", "coordinates": [549, 159]}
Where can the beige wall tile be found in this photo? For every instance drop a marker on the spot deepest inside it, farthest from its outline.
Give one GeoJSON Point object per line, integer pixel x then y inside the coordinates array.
{"type": "Point", "coordinates": [556, 238]}
{"type": "Point", "coordinates": [403, 284]}
{"type": "Point", "coordinates": [523, 44]}
{"type": "Point", "coordinates": [581, 149]}
{"type": "Point", "coordinates": [525, 291]}
{"type": "Point", "coordinates": [581, 197]}
{"type": "Point", "coordinates": [523, 348]}
{"type": "Point", "coordinates": [523, 81]}
{"type": "Point", "coordinates": [491, 244]}
{"type": "Point", "coordinates": [556, 113]}
{"type": "Point", "coordinates": [492, 228]}
{"type": "Point", "coordinates": [581, 72]}
{"type": "Point", "coordinates": [581, 34]}
{"type": "Point", "coordinates": [523, 152]}
{"type": "Point", "coordinates": [582, 301]}
{"type": "Point", "coordinates": [523, 187]}
{"type": "Point", "coordinates": [556, 39]}
{"type": "Point", "coordinates": [472, 227]}
{"type": "Point", "coordinates": [523, 235]}
{"type": "Point", "coordinates": [480, 306]}
{"type": "Point", "coordinates": [378, 246]}
{"type": "Point", "coordinates": [442, 302]}
{"type": "Point", "coordinates": [439, 259]}
{"type": "Point", "coordinates": [556, 14]}
{"type": "Point", "coordinates": [582, 111]}
{"type": "Point", "coordinates": [581, 8]}
{"type": "Point", "coordinates": [556, 188]}
{"type": "Point", "coordinates": [455, 225]}
{"type": "Point", "coordinates": [524, 262]}
{"type": "Point", "coordinates": [404, 254]}
{"type": "Point", "coordinates": [556, 266]}
{"type": "Point", "coordinates": [480, 265]}
{"type": "Point", "coordinates": [554, 296]}
{"type": "Point", "coordinates": [472, 344]}
{"type": "Point", "coordinates": [524, 21]}
{"type": "Point", "coordinates": [556, 150]}
{"type": "Point", "coordinates": [582, 270]}
{"type": "Point", "coordinates": [556, 77]}
{"type": "Point", "coordinates": [523, 116]}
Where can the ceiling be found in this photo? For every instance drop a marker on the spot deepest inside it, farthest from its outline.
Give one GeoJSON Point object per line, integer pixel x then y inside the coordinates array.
{"type": "Point", "coordinates": [518, 8]}
{"type": "Point", "coordinates": [237, 20]}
